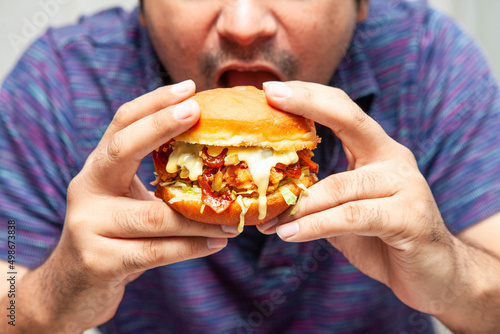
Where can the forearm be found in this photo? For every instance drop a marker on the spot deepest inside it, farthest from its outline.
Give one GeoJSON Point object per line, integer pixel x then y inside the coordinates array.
{"type": "Point", "coordinates": [470, 301]}
{"type": "Point", "coordinates": [51, 299]}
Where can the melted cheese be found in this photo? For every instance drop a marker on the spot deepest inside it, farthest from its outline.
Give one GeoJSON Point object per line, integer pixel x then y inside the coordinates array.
{"type": "Point", "coordinates": [259, 161]}
{"type": "Point", "coordinates": [244, 203]}
{"type": "Point", "coordinates": [187, 156]}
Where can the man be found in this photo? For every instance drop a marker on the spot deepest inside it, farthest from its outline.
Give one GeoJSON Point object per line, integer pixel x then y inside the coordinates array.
{"type": "Point", "coordinates": [413, 221]}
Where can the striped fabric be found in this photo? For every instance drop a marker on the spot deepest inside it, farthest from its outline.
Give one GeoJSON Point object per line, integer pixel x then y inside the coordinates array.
{"type": "Point", "coordinates": [411, 68]}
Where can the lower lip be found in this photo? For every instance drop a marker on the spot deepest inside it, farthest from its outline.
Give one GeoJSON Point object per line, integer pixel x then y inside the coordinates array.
{"type": "Point", "coordinates": [245, 78]}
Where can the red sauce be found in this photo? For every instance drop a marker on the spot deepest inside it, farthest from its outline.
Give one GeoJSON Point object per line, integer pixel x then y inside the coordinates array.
{"type": "Point", "coordinates": [292, 170]}
{"type": "Point", "coordinates": [160, 157]}
{"type": "Point", "coordinates": [213, 162]}
{"type": "Point", "coordinates": [305, 156]}
{"type": "Point", "coordinates": [217, 202]}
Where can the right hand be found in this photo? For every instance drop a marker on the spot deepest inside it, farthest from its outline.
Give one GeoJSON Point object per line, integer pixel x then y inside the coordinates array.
{"type": "Point", "coordinates": [115, 229]}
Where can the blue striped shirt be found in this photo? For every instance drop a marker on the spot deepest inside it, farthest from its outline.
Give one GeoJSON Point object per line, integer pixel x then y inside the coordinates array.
{"type": "Point", "coordinates": [411, 68]}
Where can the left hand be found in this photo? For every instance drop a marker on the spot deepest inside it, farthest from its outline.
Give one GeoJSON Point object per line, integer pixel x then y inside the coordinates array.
{"type": "Point", "coordinates": [380, 213]}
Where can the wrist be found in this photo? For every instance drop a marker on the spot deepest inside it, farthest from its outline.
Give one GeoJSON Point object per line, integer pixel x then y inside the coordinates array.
{"type": "Point", "coordinates": [40, 306]}
{"type": "Point", "coordinates": [54, 297]}
{"type": "Point", "coordinates": [468, 294]}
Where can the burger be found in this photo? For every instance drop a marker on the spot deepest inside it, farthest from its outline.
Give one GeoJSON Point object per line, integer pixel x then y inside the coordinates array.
{"type": "Point", "coordinates": [243, 162]}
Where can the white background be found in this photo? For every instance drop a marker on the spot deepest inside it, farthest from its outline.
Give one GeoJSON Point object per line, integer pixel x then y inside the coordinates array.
{"type": "Point", "coordinates": [30, 18]}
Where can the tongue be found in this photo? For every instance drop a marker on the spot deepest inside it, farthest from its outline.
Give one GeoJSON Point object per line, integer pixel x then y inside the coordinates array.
{"type": "Point", "coordinates": [236, 78]}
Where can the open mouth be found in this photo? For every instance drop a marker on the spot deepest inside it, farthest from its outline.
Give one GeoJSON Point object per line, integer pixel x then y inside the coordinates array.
{"type": "Point", "coordinates": [239, 77]}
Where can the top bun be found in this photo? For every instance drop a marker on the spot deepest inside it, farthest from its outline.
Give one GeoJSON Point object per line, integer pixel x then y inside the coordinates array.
{"type": "Point", "coordinates": [241, 116]}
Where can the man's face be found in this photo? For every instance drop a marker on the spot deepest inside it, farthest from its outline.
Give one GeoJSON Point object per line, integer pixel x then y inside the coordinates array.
{"type": "Point", "coordinates": [225, 43]}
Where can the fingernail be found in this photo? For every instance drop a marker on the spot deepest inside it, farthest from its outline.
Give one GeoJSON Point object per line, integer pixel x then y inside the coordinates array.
{"type": "Point", "coordinates": [277, 89]}
{"type": "Point", "coordinates": [269, 224]}
{"type": "Point", "coordinates": [288, 230]}
{"type": "Point", "coordinates": [185, 109]}
{"type": "Point", "coordinates": [182, 87]}
{"type": "Point", "coordinates": [216, 243]}
{"type": "Point", "coordinates": [231, 229]}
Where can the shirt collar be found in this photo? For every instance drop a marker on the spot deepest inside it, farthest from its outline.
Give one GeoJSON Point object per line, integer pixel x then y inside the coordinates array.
{"type": "Point", "coordinates": [355, 75]}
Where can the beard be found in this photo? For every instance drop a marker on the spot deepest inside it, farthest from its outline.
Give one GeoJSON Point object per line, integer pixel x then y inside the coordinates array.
{"type": "Point", "coordinates": [283, 61]}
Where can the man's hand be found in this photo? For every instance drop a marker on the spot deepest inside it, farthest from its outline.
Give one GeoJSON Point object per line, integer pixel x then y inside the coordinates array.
{"type": "Point", "coordinates": [114, 228]}
{"type": "Point", "coordinates": [380, 213]}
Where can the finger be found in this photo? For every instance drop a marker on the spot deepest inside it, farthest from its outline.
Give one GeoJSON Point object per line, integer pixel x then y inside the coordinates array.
{"type": "Point", "coordinates": [139, 190]}
{"type": "Point", "coordinates": [152, 193]}
{"type": "Point", "coordinates": [350, 158]}
{"type": "Point", "coordinates": [366, 218]}
{"type": "Point", "coordinates": [148, 104]}
{"type": "Point", "coordinates": [116, 163]}
{"type": "Point", "coordinates": [268, 227]}
{"type": "Point", "coordinates": [331, 107]}
{"type": "Point", "coordinates": [128, 218]}
{"type": "Point", "coordinates": [137, 255]}
{"type": "Point", "coordinates": [368, 182]}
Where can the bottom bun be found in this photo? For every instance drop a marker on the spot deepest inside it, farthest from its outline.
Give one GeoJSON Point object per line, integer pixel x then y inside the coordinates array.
{"type": "Point", "coordinates": [190, 205]}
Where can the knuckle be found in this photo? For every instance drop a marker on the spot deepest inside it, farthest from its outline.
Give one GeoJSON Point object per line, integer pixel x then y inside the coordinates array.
{"type": "Point", "coordinates": [405, 154]}
{"type": "Point", "coordinates": [358, 117]}
{"type": "Point", "coordinates": [152, 252]}
{"type": "Point", "coordinates": [128, 221]}
{"type": "Point", "coordinates": [120, 119]}
{"type": "Point", "coordinates": [134, 262]}
{"type": "Point", "coordinates": [154, 218]}
{"type": "Point", "coordinates": [158, 122]}
{"type": "Point", "coordinates": [365, 182]}
{"type": "Point", "coordinates": [115, 147]}
{"type": "Point", "coordinates": [374, 220]}
{"type": "Point", "coordinates": [88, 262]}
{"type": "Point", "coordinates": [420, 209]}
{"type": "Point", "coordinates": [352, 213]}
{"type": "Point", "coordinates": [316, 225]}
{"type": "Point", "coordinates": [188, 250]}
{"type": "Point", "coordinates": [338, 186]}
{"type": "Point", "coordinates": [96, 158]}
{"type": "Point", "coordinates": [339, 93]}
{"type": "Point", "coordinates": [308, 95]}
{"type": "Point", "coordinates": [420, 179]}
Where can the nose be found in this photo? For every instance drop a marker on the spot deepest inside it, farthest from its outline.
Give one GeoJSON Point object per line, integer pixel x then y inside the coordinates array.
{"type": "Point", "coordinates": [246, 21]}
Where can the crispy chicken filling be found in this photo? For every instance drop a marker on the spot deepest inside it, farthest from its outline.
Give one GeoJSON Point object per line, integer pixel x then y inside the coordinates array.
{"type": "Point", "coordinates": [225, 177]}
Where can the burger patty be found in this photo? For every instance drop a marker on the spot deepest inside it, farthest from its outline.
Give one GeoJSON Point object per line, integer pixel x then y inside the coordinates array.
{"type": "Point", "coordinates": [237, 178]}
{"type": "Point", "coordinates": [219, 182]}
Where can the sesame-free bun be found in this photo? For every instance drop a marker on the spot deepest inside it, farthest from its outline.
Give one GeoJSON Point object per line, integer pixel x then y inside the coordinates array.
{"type": "Point", "coordinates": [191, 206]}
{"type": "Point", "coordinates": [241, 116]}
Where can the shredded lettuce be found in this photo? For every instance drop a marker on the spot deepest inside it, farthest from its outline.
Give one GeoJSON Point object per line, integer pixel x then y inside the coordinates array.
{"type": "Point", "coordinates": [301, 186]}
{"type": "Point", "coordinates": [289, 197]}
{"type": "Point", "coordinates": [187, 188]}
{"type": "Point", "coordinates": [164, 184]}
{"type": "Point", "coordinates": [296, 207]}
{"type": "Point", "coordinates": [175, 200]}
{"type": "Point", "coordinates": [248, 192]}
{"type": "Point", "coordinates": [191, 190]}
